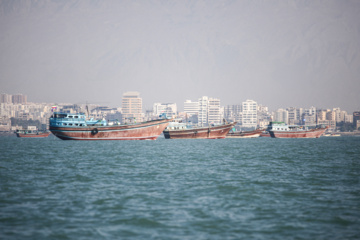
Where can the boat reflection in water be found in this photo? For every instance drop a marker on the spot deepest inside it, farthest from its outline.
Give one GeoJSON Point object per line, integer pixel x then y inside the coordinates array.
{"type": "Point", "coordinates": [69, 126]}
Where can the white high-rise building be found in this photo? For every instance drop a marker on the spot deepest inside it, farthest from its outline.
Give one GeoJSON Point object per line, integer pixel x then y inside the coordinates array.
{"type": "Point", "coordinates": [170, 109]}
{"type": "Point", "coordinates": [132, 107]}
{"type": "Point", "coordinates": [203, 111]}
{"type": "Point", "coordinates": [191, 108]}
{"type": "Point", "coordinates": [214, 111]}
{"type": "Point", "coordinates": [249, 114]}
{"type": "Point", "coordinates": [210, 111]}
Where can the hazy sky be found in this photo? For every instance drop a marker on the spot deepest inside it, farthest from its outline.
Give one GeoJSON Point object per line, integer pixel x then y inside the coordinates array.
{"type": "Point", "coordinates": [278, 53]}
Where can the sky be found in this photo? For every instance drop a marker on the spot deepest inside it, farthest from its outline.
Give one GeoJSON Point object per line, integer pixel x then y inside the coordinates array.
{"type": "Point", "coordinates": [278, 53]}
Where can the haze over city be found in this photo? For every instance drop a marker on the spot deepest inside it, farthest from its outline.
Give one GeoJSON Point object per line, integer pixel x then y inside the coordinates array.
{"type": "Point", "coordinates": [281, 54]}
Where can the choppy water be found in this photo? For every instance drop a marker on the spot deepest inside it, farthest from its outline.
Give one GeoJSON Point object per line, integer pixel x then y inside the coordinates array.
{"type": "Point", "coordinates": [180, 189]}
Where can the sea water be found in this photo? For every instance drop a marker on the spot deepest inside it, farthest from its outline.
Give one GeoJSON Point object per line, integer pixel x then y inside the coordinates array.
{"type": "Point", "coordinates": [261, 188]}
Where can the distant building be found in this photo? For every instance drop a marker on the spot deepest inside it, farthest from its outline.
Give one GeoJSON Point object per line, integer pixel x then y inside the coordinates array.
{"type": "Point", "coordinates": [19, 99]}
{"type": "Point", "coordinates": [249, 114]}
{"type": "Point", "coordinates": [15, 99]}
{"type": "Point", "coordinates": [292, 115]}
{"type": "Point", "coordinates": [170, 109]}
{"type": "Point", "coordinates": [281, 115]}
{"type": "Point", "coordinates": [232, 113]}
{"type": "Point", "coordinates": [191, 108]}
{"type": "Point", "coordinates": [308, 120]}
{"type": "Point", "coordinates": [264, 117]}
{"type": "Point", "coordinates": [203, 110]}
{"type": "Point", "coordinates": [214, 111]}
{"type": "Point", "coordinates": [5, 98]}
{"type": "Point", "coordinates": [321, 115]}
{"type": "Point", "coordinates": [356, 120]}
{"type": "Point", "coordinates": [131, 107]}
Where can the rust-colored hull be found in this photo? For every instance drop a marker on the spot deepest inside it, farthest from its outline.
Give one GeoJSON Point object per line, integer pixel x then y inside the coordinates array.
{"type": "Point", "coordinates": [265, 134]}
{"type": "Point", "coordinates": [33, 135]}
{"type": "Point", "coordinates": [216, 132]}
{"type": "Point", "coordinates": [245, 134]}
{"type": "Point", "coordinates": [141, 131]}
{"type": "Point", "coordinates": [313, 133]}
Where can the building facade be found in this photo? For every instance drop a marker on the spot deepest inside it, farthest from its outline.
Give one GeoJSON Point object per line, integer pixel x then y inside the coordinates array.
{"type": "Point", "coordinates": [191, 108]}
{"type": "Point", "coordinates": [214, 111]}
{"type": "Point", "coordinates": [203, 110]}
{"type": "Point", "coordinates": [249, 114]}
{"type": "Point", "coordinates": [131, 107]}
{"type": "Point", "coordinates": [169, 109]}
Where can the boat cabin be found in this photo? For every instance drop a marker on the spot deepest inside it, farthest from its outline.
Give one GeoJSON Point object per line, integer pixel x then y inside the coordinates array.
{"type": "Point", "coordinates": [281, 126]}
{"type": "Point", "coordinates": [59, 119]}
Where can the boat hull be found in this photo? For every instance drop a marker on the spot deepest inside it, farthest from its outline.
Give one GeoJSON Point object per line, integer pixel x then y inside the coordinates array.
{"type": "Point", "coordinates": [245, 134]}
{"type": "Point", "coordinates": [215, 132]}
{"type": "Point", "coordinates": [33, 135]}
{"type": "Point", "coordinates": [141, 131]}
{"type": "Point", "coordinates": [313, 133]}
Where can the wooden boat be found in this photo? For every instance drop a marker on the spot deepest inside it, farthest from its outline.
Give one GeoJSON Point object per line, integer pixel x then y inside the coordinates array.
{"type": "Point", "coordinates": [265, 134]}
{"type": "Point", "coordinates": [31, 134]}
{"type": "Point", "coordinates": [245, 134]}
{"type": "Point", "coordinates": [331, 135]}
{"type": "Point", "coordinates": [182, 131]}
{"type": "Point", "coordinates": [282, 130]}
{"type": "Point", "coordinates": [68, 126]}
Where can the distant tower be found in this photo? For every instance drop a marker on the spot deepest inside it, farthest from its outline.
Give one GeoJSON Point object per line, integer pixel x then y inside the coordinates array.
{"type": "Point", "coordinates": [209, 111]}
{"type": "Point", "coordinates": [131, 107]}
{"type": "Point", "coordinates": [214, 111]}
{"type": "Point", "coordinates": [19, 99]}
{"type": "Point", "coordinates": [249, 114]}
{"type": "Point", "coordinates": [5, 98]}
{"type": "Point", "coordinates": [203, 110]}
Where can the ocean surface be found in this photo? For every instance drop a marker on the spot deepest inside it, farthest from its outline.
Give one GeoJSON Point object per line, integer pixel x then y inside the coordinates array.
{"type": "Point", "coordinates": [260, 188]}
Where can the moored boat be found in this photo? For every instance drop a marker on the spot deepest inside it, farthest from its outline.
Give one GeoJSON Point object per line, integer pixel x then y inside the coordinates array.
{"type": "Point", "coordinates": [245, 134]}
{"type": "Point", "coordinates": [183, 131]}
{"type": "Point", "coordinates": [69, 126]}
{"type": "Point", "coordinates": [282, 130]}
{"type": "Point", "coordinates": [331, 135]}
{"type": "Point", "coordinates": [265, 134]}
{"type": "Point", "coordinates": [31, 134]}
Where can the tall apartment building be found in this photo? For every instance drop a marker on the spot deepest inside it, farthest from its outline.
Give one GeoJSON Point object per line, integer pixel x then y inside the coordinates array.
{"type": "Point", "coordinates": [170, 109]}
{"type": "Point", "coordinates": [131, 107]}
{"type": "Point", "coordinates": [249, 114]}
{"type": "Point", "coordinates": [191, 108]}
{"type": "Point", "coordinates": [210, 111]}
{"type": "Point", "coordinates": [5, 98]}
{"type": "Point", "coordinates": [292, 115]}
{"type": "Point", "coordinates": [214, 111]}
{"type": "Point", "coordinates": [203, 111]}
{"type": "Point", "coordinates": [281, 115]}
{"type": "Point", "coordinates": [15, 99]}
{"type": "Point", "coordinates": [19, 99]}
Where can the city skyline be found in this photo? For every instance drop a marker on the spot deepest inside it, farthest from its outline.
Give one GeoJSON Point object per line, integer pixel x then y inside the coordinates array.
{"type": "Point", "coordinates": [279, 54]}
{"type": "Point", "coordinates": [136, 96]}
